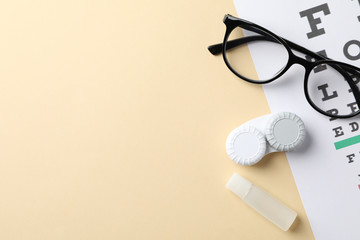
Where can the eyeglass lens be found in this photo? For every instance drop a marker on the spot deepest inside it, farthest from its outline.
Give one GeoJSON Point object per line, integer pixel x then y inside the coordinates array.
{"type": "Point", "coordinates": [260, 44]}
{"type": "Point", "coordinates": [329, 90]}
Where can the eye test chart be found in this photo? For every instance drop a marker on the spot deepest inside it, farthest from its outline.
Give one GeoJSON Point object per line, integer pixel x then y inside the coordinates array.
{"type": "Point", "coordinates": [326, 168]}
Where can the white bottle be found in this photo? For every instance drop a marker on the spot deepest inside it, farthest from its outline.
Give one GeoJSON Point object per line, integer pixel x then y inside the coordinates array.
{"type": "Point", "coordinates": [262, 202]}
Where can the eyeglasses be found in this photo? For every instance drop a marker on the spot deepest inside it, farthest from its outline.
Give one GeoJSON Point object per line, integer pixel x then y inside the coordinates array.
{"type": "Point", "coordinates": [329, 86]}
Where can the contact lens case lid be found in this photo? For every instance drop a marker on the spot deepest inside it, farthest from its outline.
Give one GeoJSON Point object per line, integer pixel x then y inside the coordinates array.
{"type": "Point", "coordinates": [285, 131]}
{"type": "Point", "coordinates": [246, 145]}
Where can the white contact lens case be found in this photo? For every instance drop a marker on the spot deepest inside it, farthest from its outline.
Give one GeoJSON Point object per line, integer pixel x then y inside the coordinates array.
{"type": "Point", "coordinates": [277, 132]}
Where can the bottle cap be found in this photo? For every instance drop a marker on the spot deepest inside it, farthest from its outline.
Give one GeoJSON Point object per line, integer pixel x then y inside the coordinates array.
{"type": "Point", "coordinates": [239, 185]}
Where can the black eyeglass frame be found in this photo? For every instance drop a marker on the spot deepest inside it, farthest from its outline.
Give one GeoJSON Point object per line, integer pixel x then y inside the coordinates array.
{"type": "Point", "coordinates": [232, 22]}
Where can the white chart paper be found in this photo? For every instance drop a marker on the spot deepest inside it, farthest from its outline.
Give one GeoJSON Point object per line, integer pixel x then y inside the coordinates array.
{"type": "Point", "coordinates": [328, 179]}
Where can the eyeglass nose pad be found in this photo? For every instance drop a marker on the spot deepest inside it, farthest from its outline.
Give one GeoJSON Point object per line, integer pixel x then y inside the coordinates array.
{"type": "Point", "coordinates": [246, 145]}
{"type": "Point", "coordinates": [285, 131]}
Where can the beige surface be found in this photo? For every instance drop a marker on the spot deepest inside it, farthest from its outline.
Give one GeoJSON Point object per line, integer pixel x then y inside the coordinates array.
{"type": "Point", "coordinates": [114, 120]}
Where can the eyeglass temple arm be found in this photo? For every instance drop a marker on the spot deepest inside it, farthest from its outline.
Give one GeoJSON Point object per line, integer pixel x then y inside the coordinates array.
{"type": "Point", "coordinates": [216, 49]}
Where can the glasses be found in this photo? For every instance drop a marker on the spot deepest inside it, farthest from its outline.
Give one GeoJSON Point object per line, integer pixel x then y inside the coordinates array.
{"type": "Point", "coordinates": [329, 86]}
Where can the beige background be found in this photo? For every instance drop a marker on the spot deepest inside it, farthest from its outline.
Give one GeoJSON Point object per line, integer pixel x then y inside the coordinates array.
{"type": "Point", "coordinates": [113, 124]}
